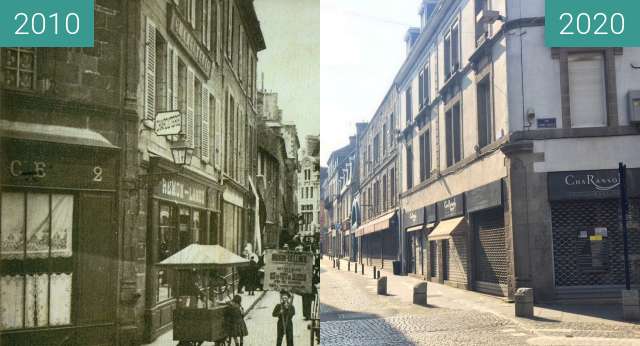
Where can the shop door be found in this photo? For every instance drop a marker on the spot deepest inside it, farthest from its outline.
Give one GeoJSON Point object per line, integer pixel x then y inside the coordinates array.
{"type": "Point", "coordinates": [411, 250]}
{"type": "Point", "coordinates": [491, 253]}
{"type": "Point", "coordinates": [433, 258]}
{"type": "Point", "coordinates": [445, 259]}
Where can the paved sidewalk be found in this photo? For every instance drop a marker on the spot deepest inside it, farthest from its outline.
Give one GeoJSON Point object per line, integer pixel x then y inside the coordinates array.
{"type": "Point", "coordinates": [248, 302]}
{"type": "Point", "coordinates": [566, 320]}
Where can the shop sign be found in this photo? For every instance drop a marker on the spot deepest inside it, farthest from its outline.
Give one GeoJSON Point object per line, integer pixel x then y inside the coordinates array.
{"type": "Point", "coordinates": [181, 190]}
{"type": "Point", "coordinates": [484, 197]}
{"type": "Point", "coordinates": [39, 165]}
{"type": "Point", "coordinates": [183, 33]}
{"type": "Point", "coordinates": [288, 270]}
{"type": "Point", "coordinates": [599, 184]}
{"type": "Point", "coordinates": [168, 123]}
{"type": "Point", "coordinates": [413, 218]}
{"type": "Point", "coordinates": [451, 207]}
{"type": "Point", "coordinates": [430, 213]}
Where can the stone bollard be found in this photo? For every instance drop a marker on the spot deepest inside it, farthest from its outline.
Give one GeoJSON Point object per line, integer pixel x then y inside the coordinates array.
{"type": "Point", "coordinates": [382, 285]}
{"type": "Point", "coordinates": [630, 305]}
{"type": "Point", "coordinates": [374, 273]}
{"type": "Point", "coordinates": [524, 302]}
{"type": "Point", "coordinates": [420, 294]}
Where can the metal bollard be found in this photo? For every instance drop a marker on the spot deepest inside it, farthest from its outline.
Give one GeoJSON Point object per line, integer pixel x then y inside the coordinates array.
{"type": "Point", "coordinates": [374, 272]}
{"type": "Point", "coordinates": [362, 269]}
{"type": "Point", "coordinates": [349, 266]}
{"type": "Point", "coordinates": [356, 268]}
{"type": "Point", "coordinates": [378, 274]}
{"type": "Point", "coordinates": [334, 263]}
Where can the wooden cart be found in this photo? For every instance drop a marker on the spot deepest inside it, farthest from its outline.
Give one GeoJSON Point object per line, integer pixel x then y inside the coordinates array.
{"type": "Point", "coordinates": [197, 317]}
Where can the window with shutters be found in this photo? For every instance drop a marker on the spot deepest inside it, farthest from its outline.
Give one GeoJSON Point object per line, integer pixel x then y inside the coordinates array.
{"type": "Point", "coordinates": [426, 87]}
{"type": "Point", "coordinates": [190, 123]}
{"type": "Point", "coordinates": [421, 90]}
{"type": "Point", "coordinates": [425, 156]}
{"type": "Point", "coordinates": [587, 91]}
{"type": "Point", "coordinates": [230, 11]}
{"type": "Point", "coordinates": [485, 118]}
{"type": "Point", "coordinates": [19, 68]}
{"type": "Point", "coordinates": [453, 134]}
{"type": "Point", "coordinates": [241, 55]}
{"type": "Point", "coordinates": [150, 71]}
{"type": "Point", "coordinates": [182, 88]}
{"type": "Point", "coordinates": [212, 128]}
{"type": "Point", "coordinates": [452, 51]}
{"type": "Point", "coordinates": [409, 166]}
{"type": "Point", "coordinates": [408, 106]}
{"type": "Point", "coordinates": [197, 123]}
{"type": "Point", "coordinates": [392, 178]}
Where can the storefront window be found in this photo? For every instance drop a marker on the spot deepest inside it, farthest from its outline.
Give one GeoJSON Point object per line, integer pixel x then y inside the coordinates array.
{"type": "Point", "coordinates": [166, 247]}
{"type": "Point", "coordinates": [184, 220]}
{"type": "Point", "coordinates": [36, 259]}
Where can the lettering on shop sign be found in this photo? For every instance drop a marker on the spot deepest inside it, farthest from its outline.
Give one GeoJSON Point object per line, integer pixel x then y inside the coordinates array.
{"type": "Point", "coordinates": [590, 184]}
{"type": "Point", "coordinates": [414, 218]}
{"type": "Point", "coordinates": [182, 191]}
{"type": "Point", "coordinates": [451, 207]}
{"type": "Point", "coordinates": [185, 36]}
{"type": "Point", "coordinates": [39, 170]}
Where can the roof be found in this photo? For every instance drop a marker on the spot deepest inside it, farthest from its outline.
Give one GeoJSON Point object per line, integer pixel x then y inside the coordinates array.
{"type": "Point", "coordinates": [199, 256]}
{"type": "Point", "coordinates": [53, 134]}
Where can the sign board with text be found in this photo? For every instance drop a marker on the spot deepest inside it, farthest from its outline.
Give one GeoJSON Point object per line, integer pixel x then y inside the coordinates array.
{"type": "Point", "coordinates": [168, 123]}
{"type": "Point", "coordinates": [288, 270]}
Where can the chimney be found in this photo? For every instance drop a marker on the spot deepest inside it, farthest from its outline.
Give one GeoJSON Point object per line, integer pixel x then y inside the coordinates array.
{"type": "Point", "coordinates": [411, 37]}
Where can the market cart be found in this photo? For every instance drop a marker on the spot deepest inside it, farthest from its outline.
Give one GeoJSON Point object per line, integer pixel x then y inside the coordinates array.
{"type": "Point", "coordinates": [201, 312]}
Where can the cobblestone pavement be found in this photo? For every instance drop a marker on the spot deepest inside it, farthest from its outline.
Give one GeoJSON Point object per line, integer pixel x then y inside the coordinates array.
{"type": "Point", "coordinates": [353, 314]}
{"type": "Point", "coordinates": [262, 326]}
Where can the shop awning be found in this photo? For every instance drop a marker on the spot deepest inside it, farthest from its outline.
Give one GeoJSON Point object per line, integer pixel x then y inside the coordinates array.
{"type": "Point", "coordinates": [197, 256]}
{"type": "Point", "coordinates": [430, 225]}
{"type": "Point", "coordinates": [415, 228]}
{"type": "Point", "coordinates": [446, 228]}
{"type": "Point", "coordinates": [54, 134]}
{"type": "Point", "coordinates": [379, 224]}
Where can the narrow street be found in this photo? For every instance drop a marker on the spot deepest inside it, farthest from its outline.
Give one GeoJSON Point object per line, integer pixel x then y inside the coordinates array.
{"type": "Point", "coordinates": [353, 314]}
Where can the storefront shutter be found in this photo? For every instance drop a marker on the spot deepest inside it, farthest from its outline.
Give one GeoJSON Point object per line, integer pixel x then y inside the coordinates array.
{"type": "Point", "coordinates": [587, 90]}
{"type": "Point", "coordinates": [190, 105]}
{"type": "Point", "coordinates": [150, 71]}
{"type": "Point", "coordinates": [218, 134]}
{"type": "Point", "coordinates": [206, 154]}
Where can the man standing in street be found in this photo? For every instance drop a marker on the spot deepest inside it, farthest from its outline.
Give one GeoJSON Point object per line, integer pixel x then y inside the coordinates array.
{"type": "Point", "coordinates": [285, 312]}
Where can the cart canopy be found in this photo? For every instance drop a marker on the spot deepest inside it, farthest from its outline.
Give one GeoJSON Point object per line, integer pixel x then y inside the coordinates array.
{"type": "Point", "coordinates": [197, 256]}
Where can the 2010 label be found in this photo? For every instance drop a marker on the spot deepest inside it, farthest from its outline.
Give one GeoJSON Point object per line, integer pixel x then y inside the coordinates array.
{"type": "Point", "coordinates": [38, 23]}
{"type": "Point", "coordinates": [598, 24]}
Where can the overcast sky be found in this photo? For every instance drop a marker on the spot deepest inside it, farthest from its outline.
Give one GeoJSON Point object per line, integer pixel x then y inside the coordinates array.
{"type": "Point", "coordinates": [291, 62]}
{"type": "Point", "coordinates": [362, 45]}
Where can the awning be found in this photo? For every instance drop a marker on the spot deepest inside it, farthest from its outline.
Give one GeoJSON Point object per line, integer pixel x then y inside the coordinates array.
{"type": "Point", "coordinates": [199, 256]}
{"type": "Point", "coordinates": [446, 228]}
{"type": "Point", "coordinates": [379, 224]}
{"type": "Point", "coordinates": [415, 228]}
{"type": "Point", "coordinates": [54, 134]}
{"type": "Point", "coordinates": [430, 225]}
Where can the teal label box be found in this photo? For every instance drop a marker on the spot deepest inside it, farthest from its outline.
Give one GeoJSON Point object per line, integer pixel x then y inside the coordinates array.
{"type": "Point", "coordinates": [592, 23]}
{"type": "Point", "coordinates": [46, 23]}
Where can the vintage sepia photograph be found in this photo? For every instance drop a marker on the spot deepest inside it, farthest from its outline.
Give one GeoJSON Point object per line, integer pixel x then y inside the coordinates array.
{"type": "Point", "coordinates": [161, 185]}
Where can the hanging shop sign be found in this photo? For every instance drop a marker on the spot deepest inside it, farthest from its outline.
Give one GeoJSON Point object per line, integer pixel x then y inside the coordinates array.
{"type": "Point", "coordinates": [183, 33]}
{"type": "Point", "coordinates": [484, 197]}
{"type": "Point", "coordinates": [600, 184]}
{"type": "Point", "coordinates": [451, 207]}
{"type": "Point", "coordinates": [181, 190]}
{"type": "Point", "coordinates": [168, 123]}
{"type": "Point", "coordinates": [48, 165]}
{"type": "Point", "coordinates": [413, 218]}
{"type": "Point", "coordinates": [288, 270]}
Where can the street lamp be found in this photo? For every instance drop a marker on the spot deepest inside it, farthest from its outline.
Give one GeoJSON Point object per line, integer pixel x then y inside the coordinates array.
{"type": "Point", "coordinates": [182, 155]}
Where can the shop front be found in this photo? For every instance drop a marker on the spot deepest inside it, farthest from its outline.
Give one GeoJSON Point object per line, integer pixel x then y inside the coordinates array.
{"type": "Point", "coordinates": [587, 233]}
{"type": "Point", "coordinates": [58, 237]}
{"type": "Point", "coordinates": [490, 259]}
{"type": "Point", "coordinates": [449, 240]}
{"type": "Point", "coordinates": [379, 240]}
{"type": "Point", "coordinates": [413, 223]}
{"type": "Point", "coordinates": [183, 210]}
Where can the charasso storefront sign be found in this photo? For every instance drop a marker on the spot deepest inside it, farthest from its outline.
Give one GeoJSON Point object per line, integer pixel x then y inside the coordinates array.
{"type": "Point", "coordinates": [600, 184]}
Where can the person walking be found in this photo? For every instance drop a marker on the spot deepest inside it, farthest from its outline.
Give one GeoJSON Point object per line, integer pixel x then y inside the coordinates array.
{"type": "Point", "coordinates": [237, 326]}
{"type": "Point", "coordinates": [285, 312]}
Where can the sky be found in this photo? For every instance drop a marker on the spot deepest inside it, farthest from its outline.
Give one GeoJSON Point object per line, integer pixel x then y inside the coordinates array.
{"type": "Point", "coordinates": [291, 62]}
{"type": "Point", "coordinates": [362, 48]}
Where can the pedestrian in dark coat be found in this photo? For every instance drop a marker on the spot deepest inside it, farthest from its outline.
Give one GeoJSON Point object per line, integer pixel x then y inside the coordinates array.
{"type": "Point", "coordinates": [237, 326]}
{"type": "Point", "coordinates": [285, 312]}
